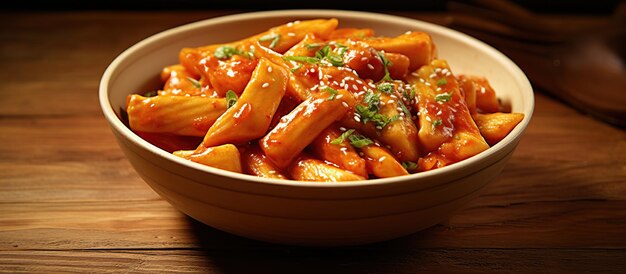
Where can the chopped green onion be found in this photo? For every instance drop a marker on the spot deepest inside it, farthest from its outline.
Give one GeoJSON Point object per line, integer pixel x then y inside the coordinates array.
{"type": "Point", "coordinates": [231, 98]}
{"type": "Point", "coordinates": [409, 96]}
{"type": "Point", "coordinates": [194, 82]}
{"type": "Point", "coordinates": [304, 59]}
{"type": "Point", "coordinates": [359, 141]}
{"type": "Point", "coordinates": [249, 54]}
{"type": "Point", "coordinates": [274, 38]}
{"type": "Point", "coordinates": [335, 60]}
{"type": "Point", "coordinates": [443, 97]}
{"type": "Point", "coordinates": [332, 93]}
{"type": "Point", "coordinates": [386, 64]}
{"type": "Point", "coordinates": [296, 68]}
{"type": "Point", "coordinates": [225, 52]}
{"type": "Point", "coordinates": [370, 112]}
{"type": "Point", "coordinates": [437, 123]}
{"type": "Point", "coordinates": [404, 109]}
{"type": "Point", "coordinates": [323, 52]}
{"type": "Point", "coordinates": [150, 94]}
{"type": "Point", "coordinates": [408, 165]}
{"type": "Point", "coordinates": [312, 46]}
{"type": "Point", "coordinates": [442, 82]}
{"type": "Point", "coordinates": [341, 138]}
{"type": "Point", "coordinates": [385, 88]}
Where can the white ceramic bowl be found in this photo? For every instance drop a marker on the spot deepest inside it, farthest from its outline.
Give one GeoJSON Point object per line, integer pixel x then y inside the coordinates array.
{"type": "Point", "coordinates": [310, 213]}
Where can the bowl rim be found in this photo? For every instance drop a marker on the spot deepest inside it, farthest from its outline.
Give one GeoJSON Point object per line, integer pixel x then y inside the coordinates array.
{"type": "Point", "coordinates": [117, 125]}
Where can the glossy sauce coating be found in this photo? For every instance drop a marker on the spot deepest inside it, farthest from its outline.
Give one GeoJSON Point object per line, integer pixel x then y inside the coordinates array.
{"type": "Point", "coordinates": [309, 101]}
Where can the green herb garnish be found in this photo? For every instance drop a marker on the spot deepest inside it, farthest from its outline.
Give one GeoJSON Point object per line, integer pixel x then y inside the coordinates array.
{"type": "Point", "coordinates": [335, 59]}
{"type": "Point", "coordinates": [442, 82]}
{"type": "Point", "coordinates": [150, 94]}
{"type": "Point", "coordinates": [409, 96]}
{"type": "Point", "coordinates": [332, 93]}
{"type": "Point", "coordinates": [274, 38]}
{"type": "Point", "coordinates": [312, 46]}
{"type": "Point", "coordinates": [378, 119]}
{"type": "Point", "coordinates": [341, 138]}
{"type": "Point", "coordinates": [386, 64]}
{"type": "Point", "coordinates": [437, 123]}
{"type": "Point", "coordinates": [406, 111]}
{"type": "Point", "coordinates": [443, 97]}
{"type": "Point", "coordinates": [225, 52]}
{"type": "Point", "coordinates": [370, 112]}
{"type": "Point", "coordinates": [194, 82]}
{"type": "Point", "coordinates": [231, 98]}
{"type": "Point", "coordinates": [359, 141]}
{"type": "Point", "coordinates": [296, 68]}
{"type": "Point", "coordinates": [408, 165]}
{"type": "Point", "coordinates": [385, 88]}
{"type": "Point", "coordinates": [303, 59]}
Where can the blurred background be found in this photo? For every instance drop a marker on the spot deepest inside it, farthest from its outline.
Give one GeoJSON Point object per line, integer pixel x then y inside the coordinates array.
{"type": "Point", "coordinates": [559, 6]}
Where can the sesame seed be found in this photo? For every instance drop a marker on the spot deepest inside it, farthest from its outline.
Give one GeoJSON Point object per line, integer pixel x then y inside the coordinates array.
{"type": "Point", "coordinates": [415, 74]}
{"type": "Point", "coordinates": [342, 128]}
{"type": "Point", "coordinates": [381, 159]}
{"type": "Point", "coordinates": [343, 149]}
{"type": "Point", "coordinates": [272, 172]}
{"type": "Point", "coordinates": [379, 127]}
{"type": "Point", "coordinates": [369, 66]}
{"type": "Point", "coordinates": [269, 69]}
{"type": "Point", "coordinates": [448, 74]}
{"type": "Point", "coordinates": [291, 34]}
{"type": "Point", "coordinates": [355, 87]}
{"type": "Point", "coordinates": [357, 119]}
{"type": "Point", "coordinates": [345, 105]}
{"type": "Point", "coordinates": [444, 71]}
{"type": "Point", "coordinates": [339, 96]}
{"type": "Point", "coordinates": [401, 118]}
{"type": "Point", "coordinates": [265, 85]}
{"type": "Point", "coordinates": [363, 58]}
{"type": "Point", "coordinates": [390, 102]}
{"type": "Point", "coordinates": [371, 85]}
{"type": "Point", "coordinates": [427, 83]}
{"type": "Point", "coordinates": [393, 96]}
{"type": "Point", "coordinates": [432, 75]}
{"type": "Point", "coordinates": [439, 113]}
{"type": "Point", "coordinates": [359, 81]}
{"type": "Point", "coordinates": [312, 70]}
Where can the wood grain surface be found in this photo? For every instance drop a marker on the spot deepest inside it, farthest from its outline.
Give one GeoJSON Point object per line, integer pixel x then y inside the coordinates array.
{"type": "Point", "coordinates": [70, 202]}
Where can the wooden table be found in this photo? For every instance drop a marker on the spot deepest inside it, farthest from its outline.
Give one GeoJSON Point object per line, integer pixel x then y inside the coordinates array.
{"type": "Point", "coordinates": [70, 201]}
